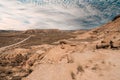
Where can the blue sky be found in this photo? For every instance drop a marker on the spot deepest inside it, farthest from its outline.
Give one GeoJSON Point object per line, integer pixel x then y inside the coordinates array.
{"type": "Point", "coordinates": [49, 14]}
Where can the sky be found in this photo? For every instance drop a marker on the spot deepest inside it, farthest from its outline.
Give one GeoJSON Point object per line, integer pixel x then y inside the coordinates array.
{"type": "Point", "coordinates": [56, 14]}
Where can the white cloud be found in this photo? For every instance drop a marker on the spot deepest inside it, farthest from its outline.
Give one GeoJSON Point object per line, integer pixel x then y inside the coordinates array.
{"type": "Point", "coordinates": [22, 16]}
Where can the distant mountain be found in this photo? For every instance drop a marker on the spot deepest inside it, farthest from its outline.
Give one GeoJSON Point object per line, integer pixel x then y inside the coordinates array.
{"type": "Point", "coordinates": [37, 31]}
{"type": "Point", "coordinates": [7, 31]}
{"type": "Point", "coordinates": [3, 31]}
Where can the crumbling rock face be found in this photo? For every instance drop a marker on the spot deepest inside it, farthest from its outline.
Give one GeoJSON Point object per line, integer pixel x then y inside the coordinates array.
{"type": "Point", "coordinates": [110, 44]}
{"type": "Point", "coordinates": [12, 65]}
{"type": "Point", "coordinates": [22, 61]}
{"type": "Point", "coordinates": [116, 17]}
{"type": "Point", "coordinates": [102, 46]}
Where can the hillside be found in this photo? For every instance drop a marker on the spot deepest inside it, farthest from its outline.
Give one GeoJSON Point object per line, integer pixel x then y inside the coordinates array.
{"type": "Point", "coordinates": [80, 59]}
{"type": "Point", "coordinates": [104, 34]}
{"type": "Point", "coordinates": [62, 55]}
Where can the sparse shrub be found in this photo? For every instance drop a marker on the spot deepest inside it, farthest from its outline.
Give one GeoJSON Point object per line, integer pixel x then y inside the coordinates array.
{"type": "Point", "coordinates": [114, 37]}
{"type": "Point", "coordinates": [19, 58]}
{"type": "Point", "coordinates": [16, 78]}
{"type": "Point", "coordinates": [80, 69]}
{"type": "Point", "coordinates": [9, 72]}
{"type": "Point", "coordinates": [95, 31]}
{"type": "Point", "coordinates": [103, 42]}
{"type": "Point", "coordinates": [30, 71]}
{"type": "Point", "coordinates": [86, 66]}
{"type": "Point", "coordinates": [70, 61]}
{"type": "Point", "coordinates": [103, 62]}
{"type": "Point", "coordinates": [94, 68]}
{"type": "Point", "coordinates": [73, 75]}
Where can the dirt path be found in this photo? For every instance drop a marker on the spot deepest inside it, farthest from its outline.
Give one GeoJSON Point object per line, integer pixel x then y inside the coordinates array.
{"type": "Point", "coordinates": [2, 49]}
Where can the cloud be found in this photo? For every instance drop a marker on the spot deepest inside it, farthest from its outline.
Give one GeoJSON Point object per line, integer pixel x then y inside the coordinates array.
{"type": "Point", "coordinates": [30, 14]}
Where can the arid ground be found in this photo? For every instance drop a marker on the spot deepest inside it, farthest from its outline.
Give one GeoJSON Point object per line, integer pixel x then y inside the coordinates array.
{"type": "Point", "coordinates": [60, 54]}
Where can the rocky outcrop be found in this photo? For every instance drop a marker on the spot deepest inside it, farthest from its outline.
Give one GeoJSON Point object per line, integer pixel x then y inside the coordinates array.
{"type": "Point", "coordinates": [110, 44]}
{"type": "Point", "coordinates": [116, 17]}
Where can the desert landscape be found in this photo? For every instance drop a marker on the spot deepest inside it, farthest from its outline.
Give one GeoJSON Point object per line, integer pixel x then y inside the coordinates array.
{"type": "Point", "coordinates": [53, 54]}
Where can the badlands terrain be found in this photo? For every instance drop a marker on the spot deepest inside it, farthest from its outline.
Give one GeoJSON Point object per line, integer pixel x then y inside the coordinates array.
{"type": "Point", "coordinates": [61, 55]}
